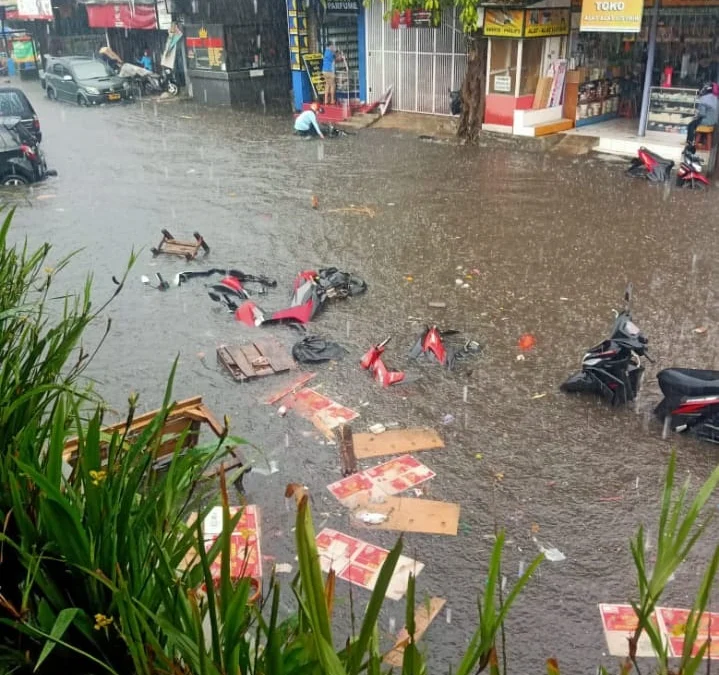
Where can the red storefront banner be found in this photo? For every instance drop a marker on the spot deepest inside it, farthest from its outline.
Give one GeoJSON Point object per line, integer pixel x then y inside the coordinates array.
{"type": "Point", "coordinates": [140, 17]}
{"type": "Point", "coordinates": [31, 10]}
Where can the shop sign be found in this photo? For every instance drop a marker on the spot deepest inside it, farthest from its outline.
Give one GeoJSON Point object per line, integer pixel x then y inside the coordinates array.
{"type": "Point", "coordinates": [34, 10]}
{"type": "Point", "coordinates": [23, 51]}
{"type": "Point", "coordinates": [503, 83]}
{"type": "Point", "coordinates": [414, 18]}
{"type": "Point", "coordinates": [503, 23]}
{"type": "Point", "coordinates": [611, 16]}
{"type": "Point", "coordinates": [546, 22]}
{"type": "Point", "coordinates": [313, 66]}
{"type": "Point", "coordinates": [205, 47]}
{"type": "Point", "coordinates": [342, 6]}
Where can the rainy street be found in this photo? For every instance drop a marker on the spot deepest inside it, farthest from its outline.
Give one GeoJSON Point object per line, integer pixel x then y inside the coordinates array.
{"type": "Point", "coordinates": [544, 243]}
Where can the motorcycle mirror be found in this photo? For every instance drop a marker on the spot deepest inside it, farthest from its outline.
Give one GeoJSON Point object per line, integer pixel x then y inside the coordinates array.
{"type": "Point", "coordinates": [628, 294]}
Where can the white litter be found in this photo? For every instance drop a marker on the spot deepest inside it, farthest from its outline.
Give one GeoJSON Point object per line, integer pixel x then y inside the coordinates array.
{"type": "Point", "coordinates": [552, 554]}
{"type": "Point", "coordinates": [283, 568]}
{"type": "Point", "coordinates": [369, 518]}
{"type": "Point", "coordinates": [378, 428]}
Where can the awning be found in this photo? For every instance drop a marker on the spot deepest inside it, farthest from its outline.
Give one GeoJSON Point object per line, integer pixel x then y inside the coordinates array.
{"type": "Point", "coordinates": [30, 10]}
{"type": "Point", "coordinates": [142, 17]}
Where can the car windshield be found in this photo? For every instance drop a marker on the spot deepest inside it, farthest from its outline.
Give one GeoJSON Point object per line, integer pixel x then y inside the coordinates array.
{"type": "Point", "coordinates": [90, 70]}
{"type": "Point", "coordinates": [11, 104]}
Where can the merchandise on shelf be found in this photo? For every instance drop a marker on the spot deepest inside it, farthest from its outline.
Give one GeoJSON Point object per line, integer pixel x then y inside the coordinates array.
{"type": "Point", "coordinates": [598, 100]}
{"type": "Point", "coordinates": [671, 109]}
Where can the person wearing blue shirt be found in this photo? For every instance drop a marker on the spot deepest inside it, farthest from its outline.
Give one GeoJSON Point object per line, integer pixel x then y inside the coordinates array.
{"type": "Point", "coordinates": [146, 60]}
{"type": "Point", "coordinates": [328, 73]}
{"type": "Point", "coordinates": [306, 123]}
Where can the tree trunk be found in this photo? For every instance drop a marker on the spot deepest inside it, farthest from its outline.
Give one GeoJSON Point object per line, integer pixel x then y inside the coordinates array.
{"type": "Point", "coordinates": [470, 119]}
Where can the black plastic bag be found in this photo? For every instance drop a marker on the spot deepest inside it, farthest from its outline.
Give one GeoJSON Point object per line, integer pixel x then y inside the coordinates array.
{"type": "Point", "coordinates": [314, 349]}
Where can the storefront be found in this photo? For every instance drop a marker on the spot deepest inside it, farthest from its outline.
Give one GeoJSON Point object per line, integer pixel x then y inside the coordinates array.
{"type": "Point", "coordinates": [526, 68]}
{"type": "Point", "coordinates": [611, 64]}
{"type": "Point", "coordinates": [312, 26]}
{"type": "Point", "coordinates": [237, 52]}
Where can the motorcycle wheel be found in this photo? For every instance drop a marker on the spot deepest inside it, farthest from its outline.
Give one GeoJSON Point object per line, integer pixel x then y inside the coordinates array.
{"type": "Point", "coordinates": [172, 89]}
{"type": "Point", "coordinates": [579, 383]}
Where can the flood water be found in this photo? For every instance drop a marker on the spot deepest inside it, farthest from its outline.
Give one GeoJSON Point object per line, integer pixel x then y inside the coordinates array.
{"type": "Point", "coordinates": [554, 240]}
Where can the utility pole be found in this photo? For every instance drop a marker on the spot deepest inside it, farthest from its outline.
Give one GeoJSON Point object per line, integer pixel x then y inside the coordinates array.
{"type": "Point", "coordinates": [651, 50]}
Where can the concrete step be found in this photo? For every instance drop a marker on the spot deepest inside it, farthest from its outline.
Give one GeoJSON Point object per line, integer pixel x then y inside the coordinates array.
{"type": "Point", "coordinates": [553, 127]}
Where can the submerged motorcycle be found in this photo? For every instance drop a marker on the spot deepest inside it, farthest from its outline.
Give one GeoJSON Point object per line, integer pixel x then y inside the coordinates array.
{"type": "Point", "coordinates": [691, 402]}
{"type": "Point", "coordinates": [690, 174]}
{"type": "Point", "coordinates": [650, 165]}
{"type": "Point", "coordinates": [613, 369]}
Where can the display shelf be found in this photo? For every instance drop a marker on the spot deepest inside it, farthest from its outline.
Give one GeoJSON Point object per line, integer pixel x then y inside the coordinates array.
{"type": "Point", "coordinates": [597, 101]}
{"type": "Point", "coordinates": [671, 109]}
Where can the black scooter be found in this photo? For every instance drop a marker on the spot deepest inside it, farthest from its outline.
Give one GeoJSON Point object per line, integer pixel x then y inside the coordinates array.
{"type": "Point", "coordinates": [613, 369]}
{"type": "Point", "coordinates": [691, 402]}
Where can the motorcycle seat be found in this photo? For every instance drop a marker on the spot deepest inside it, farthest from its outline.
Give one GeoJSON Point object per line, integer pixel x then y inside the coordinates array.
{"type": "Point", "coordinates": [658, 158]}
{"type": "Point", "coordinates": [689, 381]}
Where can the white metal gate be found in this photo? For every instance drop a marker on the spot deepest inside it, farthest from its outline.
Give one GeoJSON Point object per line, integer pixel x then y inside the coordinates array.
{"type": "Point", "coordinates": [423, 64]}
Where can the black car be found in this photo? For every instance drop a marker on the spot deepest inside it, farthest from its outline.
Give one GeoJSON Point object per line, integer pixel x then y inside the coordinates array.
{"type": "Point", "coordinates": [84, 81]}
{"type": "Point", "coordinates": [14, 103]}
{"type": "Point", "coordinates": [21, 159]}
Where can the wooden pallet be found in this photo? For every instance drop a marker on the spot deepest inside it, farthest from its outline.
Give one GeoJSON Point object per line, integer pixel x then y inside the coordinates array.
{"type": "Point", "coordinates": [255, 359]}
{"type": "Point", "coordinates": [184, 417]}
{"type": "Point", "coordinates": [184, 249]}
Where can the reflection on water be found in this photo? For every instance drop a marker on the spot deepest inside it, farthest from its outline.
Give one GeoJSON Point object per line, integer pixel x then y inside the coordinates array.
{"type": "Point", "coordinates": [548, 242]}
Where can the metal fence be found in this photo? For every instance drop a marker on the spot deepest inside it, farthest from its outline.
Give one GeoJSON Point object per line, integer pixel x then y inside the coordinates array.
{"type": "Point", "coordinates": [422, 64]}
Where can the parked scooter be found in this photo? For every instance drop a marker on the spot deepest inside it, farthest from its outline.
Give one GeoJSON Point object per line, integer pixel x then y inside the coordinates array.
{"type": "Point", "coordinates": [168, 82]}
{"type": "Point", "coordinates": [690, 173]}
{"type": "Point", "coordinates": [613, 369]}
{"type": "Point", "coordinates": [143, 82]}
{"type": "Point", "coordinates": [691, 402]}
{"type": "Point", "coordinates": [650, 165]}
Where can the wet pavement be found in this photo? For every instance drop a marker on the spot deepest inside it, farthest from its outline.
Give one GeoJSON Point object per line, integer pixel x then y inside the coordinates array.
{"type": "Point", "coordinates": [554, 238]}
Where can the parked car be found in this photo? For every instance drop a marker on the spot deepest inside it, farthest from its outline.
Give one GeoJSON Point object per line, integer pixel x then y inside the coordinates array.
{"type": "Point", "coordinates": [14, 103]}
{"type": "Point", "coordinates": [84, 81]}
{"type": "Point", "coordinates": [21, 159]}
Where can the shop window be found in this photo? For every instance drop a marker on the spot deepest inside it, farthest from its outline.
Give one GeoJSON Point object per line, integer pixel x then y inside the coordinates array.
{"type": "Point", "coordinates": [503, 66]}
{"type": "Point", "coordinates": [531, 68]}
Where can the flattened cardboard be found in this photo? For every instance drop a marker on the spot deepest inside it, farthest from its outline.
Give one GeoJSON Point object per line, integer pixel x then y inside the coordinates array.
{"type": "Point", "coordinates": [391, 478]}
{"type": "Point", "coordinates": [620, 622]}
{"type": "Point", "coordinates": [396, 442]}
{"type": "Point", "coordinates": [409, 515]}
{"type": "Point", "coordinates": [424, 614]}
{"type": "Point", "coordinates": [672, 623]}
{"type": "Point", "coordinates": [322, 411]}
{"type": "Point", "coordinates": [359, 562]}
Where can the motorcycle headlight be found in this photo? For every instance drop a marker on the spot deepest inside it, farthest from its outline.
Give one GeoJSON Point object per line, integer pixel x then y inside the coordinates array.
{"type": "Point", "coordinates": [93, 91]}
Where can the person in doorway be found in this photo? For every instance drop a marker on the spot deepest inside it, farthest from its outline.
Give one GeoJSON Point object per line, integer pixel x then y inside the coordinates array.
{"type": "Point", "coordinates": [707, 112]}
{"type": "Point", "coordinates": [306, 123]}
{"type": "Point", "coordinates": [146, 60]}
{"type": "Point", "coordinates": [328, 72]}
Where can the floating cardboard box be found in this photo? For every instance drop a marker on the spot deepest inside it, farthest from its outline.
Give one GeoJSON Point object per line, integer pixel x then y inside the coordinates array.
{"type": "Point", "coordinates": [424, 614]}
{"type": "Point", "coordinates": [396, 442]}
{"type": "Point", "coordinates": [406, 515]}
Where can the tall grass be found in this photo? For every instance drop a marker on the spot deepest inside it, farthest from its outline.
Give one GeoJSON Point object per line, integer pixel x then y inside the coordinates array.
{"type": "Point", "coordinates": [102, 570]}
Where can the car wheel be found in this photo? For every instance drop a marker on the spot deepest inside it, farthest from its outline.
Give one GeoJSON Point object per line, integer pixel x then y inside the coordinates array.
{"type": "Point", "coordinates": [14, 180]}
{"type": "Point", "coordinates": [82, 100]}
{"type": "Point", "coordinates": [51, 94]}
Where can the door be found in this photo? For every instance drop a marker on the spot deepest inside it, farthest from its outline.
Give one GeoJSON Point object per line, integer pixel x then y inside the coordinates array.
{"type": "Point", "coordinates": [58, 81]}
{"type": "Point", "coordinates": [422, 64]}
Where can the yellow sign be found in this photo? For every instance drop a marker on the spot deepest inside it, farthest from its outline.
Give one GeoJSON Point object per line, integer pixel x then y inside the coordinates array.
{"type": "Point", "coordinates": [503, 23]}
{"type": "Point", "coordinates": [546, 22]}
{"type": "Point", "coordinates": [612, 16]}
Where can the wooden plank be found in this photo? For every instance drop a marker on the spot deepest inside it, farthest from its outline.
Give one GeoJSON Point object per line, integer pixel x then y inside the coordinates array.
{"type": "Point", "coordinates": [253, 355]}
{"type": "Point", "coordinates": [297, 384]}
{"type": "Point", "coordinates": [343, 436]}
{"type": "Point", "coordinates": [280, 360]}
{"type": "Point", "coordinates": [396, 442]}
{"type": "Point", "coordinates": [409, 515]}
{"type": "Point", "coordinates": [424, 614]}
{"type": "Point", "coordinates": [236, 362]}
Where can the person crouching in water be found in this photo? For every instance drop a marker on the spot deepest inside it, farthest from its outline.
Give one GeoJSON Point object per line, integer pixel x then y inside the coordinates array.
{"type": "Point", "coordinates": [306, 123]}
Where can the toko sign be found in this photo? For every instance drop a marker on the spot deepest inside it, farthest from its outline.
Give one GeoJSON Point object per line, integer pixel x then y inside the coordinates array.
{"type": "Point", "coordinates": [612, 16]}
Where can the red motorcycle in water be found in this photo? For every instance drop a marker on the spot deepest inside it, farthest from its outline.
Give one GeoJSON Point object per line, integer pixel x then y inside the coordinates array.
{"type": "Point", "coordinates": [657, 169]}
{"type": "Point", "coordinates": [691, 402]}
